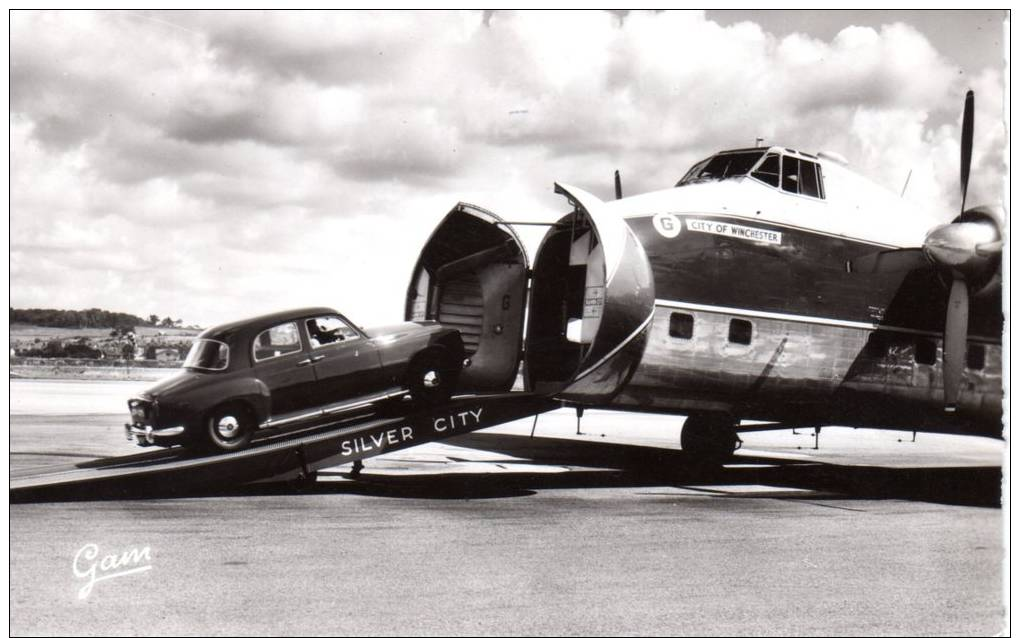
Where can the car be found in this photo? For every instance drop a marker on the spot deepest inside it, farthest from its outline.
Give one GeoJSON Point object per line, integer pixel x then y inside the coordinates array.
{"type": "Point", "coordinates": [288, 369]}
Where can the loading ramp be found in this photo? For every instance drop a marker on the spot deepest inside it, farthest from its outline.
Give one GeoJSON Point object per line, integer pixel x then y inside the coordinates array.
{"type": "Point", "coordinates": [180, 472]}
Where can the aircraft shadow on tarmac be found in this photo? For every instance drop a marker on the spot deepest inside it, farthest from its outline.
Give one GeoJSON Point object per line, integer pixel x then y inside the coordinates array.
{"type": "Point", "coordinates": [597, 465]}
{"type": "Point", "coordinates": [641, 466]}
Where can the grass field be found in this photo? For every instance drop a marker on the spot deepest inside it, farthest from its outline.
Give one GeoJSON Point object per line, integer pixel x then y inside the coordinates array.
{"type": "Point", "coordinates": [22, 331]}
{"type": "Point", "coordinates": [24, 335]}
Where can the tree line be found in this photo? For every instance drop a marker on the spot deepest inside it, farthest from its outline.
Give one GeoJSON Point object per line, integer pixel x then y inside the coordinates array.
{"type": "Point", "coordinates": [90, 318]}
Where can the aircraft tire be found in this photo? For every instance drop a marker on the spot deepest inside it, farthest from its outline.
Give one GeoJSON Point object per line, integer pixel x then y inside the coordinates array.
{"type": "Point", "coordinates": [710, 438]}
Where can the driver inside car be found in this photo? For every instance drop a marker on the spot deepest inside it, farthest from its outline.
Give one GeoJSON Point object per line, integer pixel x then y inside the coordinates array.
{"type": "Point", "coordinates": [320, 336]}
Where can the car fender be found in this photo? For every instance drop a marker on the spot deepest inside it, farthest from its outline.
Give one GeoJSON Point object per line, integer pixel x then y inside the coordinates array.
{"type": "Point", "coordinates": [446, 339]}
{"type": "Point", "coordinates": [237, 389]}
{"type": "Point", "coordinates": [398, 345]}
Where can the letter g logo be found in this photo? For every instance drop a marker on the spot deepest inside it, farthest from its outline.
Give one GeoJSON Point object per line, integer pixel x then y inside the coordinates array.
{"type": "Point", "coordinates": [667, 224]}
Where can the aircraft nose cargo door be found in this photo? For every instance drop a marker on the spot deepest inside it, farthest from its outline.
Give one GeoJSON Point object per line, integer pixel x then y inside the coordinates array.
{"type": "Point", "coordinates": [591, 304]}
{"type": "Point", "coordinates": [589, 308]}
{"type": "Point", "coordinates": [472, 275]}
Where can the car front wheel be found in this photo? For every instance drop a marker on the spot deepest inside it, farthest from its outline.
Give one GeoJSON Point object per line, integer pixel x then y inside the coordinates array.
{"type": "Point", "coordinates": [229, 428]}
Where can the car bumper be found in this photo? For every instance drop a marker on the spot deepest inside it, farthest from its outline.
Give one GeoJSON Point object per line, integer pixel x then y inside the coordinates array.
{"type": "Point", "coordinates": [147, 435]}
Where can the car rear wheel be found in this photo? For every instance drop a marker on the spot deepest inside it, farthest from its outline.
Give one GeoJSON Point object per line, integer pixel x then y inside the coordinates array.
{"type": "Point", "coordinates": [229, 428]}
{"type": "Point", "coordinates": [431, 378]}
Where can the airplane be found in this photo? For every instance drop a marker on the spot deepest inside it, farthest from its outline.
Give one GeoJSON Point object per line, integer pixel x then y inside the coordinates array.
{"type": "Point", "coordinates": [768, 285]}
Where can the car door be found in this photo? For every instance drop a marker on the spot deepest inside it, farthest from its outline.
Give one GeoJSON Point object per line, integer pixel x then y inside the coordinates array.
{"type": "Point", "coordinates": [281, 361]}
{"type": "Point", "coordinates": [346, 363]}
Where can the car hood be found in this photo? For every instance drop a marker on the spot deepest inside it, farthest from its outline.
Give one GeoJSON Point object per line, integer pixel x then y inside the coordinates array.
{"type": "Point", "coordinates": [398, 330]}
{"type": "Point", "coordinates": [183, 380]}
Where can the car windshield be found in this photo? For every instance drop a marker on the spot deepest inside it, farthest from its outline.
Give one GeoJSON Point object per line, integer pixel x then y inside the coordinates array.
{"type": "Point", "coordinates": [206, 354]}
{"type": "Point", "coordinates": [723, 166]}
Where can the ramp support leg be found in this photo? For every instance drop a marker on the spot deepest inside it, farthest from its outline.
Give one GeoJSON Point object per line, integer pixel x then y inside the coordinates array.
{"type": "Point", "coordinates": [913, 438]}
{"type": "Point", "coordinates": [305, 473]}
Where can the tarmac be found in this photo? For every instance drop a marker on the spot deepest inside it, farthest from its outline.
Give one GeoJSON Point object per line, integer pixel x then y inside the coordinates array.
{"type": "Point", "coordinates": [610, 531]}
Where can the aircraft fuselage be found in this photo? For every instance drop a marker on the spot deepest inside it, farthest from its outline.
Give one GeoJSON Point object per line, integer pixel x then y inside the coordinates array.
{"type": "Point", "coordinates": [760, 318]}
{"type": "Point", "coordinates": [725, 296]}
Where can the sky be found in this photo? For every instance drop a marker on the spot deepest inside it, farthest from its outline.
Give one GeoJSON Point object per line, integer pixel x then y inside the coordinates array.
{"type": "Point", "coordinates": [212, 166]}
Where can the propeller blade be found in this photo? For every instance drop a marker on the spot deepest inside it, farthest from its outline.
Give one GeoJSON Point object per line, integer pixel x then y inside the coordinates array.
{"type": "Point", "coordinates": [966, 145]}
{"type": "Point", "coordinates": [896, 260]}
{"type": "Point", "coordinates": [954, 346]}
{"type": "Point", "coordinates": [619, 187]}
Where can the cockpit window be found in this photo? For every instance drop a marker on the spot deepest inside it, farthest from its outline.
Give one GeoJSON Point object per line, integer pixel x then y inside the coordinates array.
{"type": "Point", "coordinates": [722, 166]}
{"type": "Point", "coordinates": [802, 177]}
{"type": "Point", "coordinates": [791, 174]}
{"type": "Point", "coordinates": [810, 179]}
{"type": "Point", "coordinates": [768, 171]}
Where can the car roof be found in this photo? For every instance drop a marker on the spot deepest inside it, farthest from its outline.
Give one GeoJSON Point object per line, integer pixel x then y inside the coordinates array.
{"type": "Point", "coordinates": [261, 322]}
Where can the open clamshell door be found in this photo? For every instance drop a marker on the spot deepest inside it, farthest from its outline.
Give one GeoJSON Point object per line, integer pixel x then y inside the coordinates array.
{"type": "Point", "coordinates": [472, 275]}
{"type": "Point", "coordinates": [591, 305]}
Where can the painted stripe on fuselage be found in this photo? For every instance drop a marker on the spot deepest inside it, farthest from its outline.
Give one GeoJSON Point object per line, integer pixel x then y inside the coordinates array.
{"type": "Point", "coordinates": [824, 321]}
{"type": "Point", "coordinates": [798, 273]}
{"type": "Point", "coordinates": [757, 219]}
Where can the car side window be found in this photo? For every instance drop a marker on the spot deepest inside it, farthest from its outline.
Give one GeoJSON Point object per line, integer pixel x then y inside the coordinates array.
{"type": "Point", "coordinates": [277, 341]}
{"type": "Point", "coordinates": [329, 329]}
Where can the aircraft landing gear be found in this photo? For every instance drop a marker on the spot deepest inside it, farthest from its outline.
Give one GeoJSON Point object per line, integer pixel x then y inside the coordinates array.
{"type": "Point", "coordinates": [710, 438]}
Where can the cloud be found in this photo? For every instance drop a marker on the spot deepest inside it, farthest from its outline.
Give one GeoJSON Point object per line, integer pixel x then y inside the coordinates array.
{"type": "Point", "coordinates": [214, 164]}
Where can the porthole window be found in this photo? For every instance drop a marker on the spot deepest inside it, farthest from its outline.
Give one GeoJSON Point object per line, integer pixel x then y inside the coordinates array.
{"type": "Point", "coordinates": [924, 351]}
{"type": "Point", "coordinates": [740, 331]}
{"type": "Point", "coordinates": [681, 325]}
{"type": "Point", "coordinates": [976, 357]}
{"type": "Point", "coordinates": [876, 346]}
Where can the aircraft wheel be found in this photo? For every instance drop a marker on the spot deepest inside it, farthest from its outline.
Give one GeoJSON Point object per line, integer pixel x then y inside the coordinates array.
{"type": "Point", "coordinates": [710, 438]}
{"type": "Point", "coordinates": [430, 378]}
{"type": "Point", "coordinates": [229, 428]}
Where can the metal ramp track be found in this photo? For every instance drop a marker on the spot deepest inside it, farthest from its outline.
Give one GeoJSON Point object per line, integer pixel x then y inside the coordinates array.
{"type": "Point", "coordinates": [178, 472]}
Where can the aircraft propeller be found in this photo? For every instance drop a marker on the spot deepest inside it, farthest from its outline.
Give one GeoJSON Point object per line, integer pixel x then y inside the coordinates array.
{"type": "Point", "coordinates": [967, 251]}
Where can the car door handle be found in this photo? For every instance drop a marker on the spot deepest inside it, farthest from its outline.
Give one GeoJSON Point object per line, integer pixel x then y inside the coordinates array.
{"type": "Point", "coordinates": [318, 358]}
{"type": "Point", "coordinates": [305, 362]}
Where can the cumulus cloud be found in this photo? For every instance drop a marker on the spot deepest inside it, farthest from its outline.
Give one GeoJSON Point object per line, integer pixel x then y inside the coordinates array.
{"type": "Point", "coordinates": [210, 165]}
